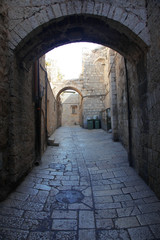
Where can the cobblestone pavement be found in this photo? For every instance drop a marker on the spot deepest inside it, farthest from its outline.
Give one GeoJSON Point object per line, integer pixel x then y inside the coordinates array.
{"type": "Point", "coordinates": [84, 189]}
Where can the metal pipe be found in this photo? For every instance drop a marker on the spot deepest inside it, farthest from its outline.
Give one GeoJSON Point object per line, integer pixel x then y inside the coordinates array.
{"type": "Point", "coordinates": [38, 114]}
{"type": "Point", "coordinates": [128, 113]}
{"type": "Point", "coordinates": [46, 95]}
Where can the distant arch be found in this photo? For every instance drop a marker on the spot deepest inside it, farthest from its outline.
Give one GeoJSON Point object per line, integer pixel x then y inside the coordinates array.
{"type": "Point", "coordinates": [68, 88]}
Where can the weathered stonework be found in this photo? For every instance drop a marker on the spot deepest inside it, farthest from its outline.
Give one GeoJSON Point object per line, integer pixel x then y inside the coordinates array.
{"type": "Point", "coordinates": [91, 85]}
{"type": "Point", "coordinates": [4, 95]}
{"type": "Point", "coordinates": [122, 101]}
{"type": "Point", "coordinates": [123, 21]}
{"type": "Point", "coordinates": [3, 76]}
{"type": "Point", "coordinates": [34, 27]}
{"type": "Point", "coordinates": [43, 96]}
{"type": "Point", "coordinates": [94, 83]}
{"type": "Point", "coordinates": [153, 97]}
{"type": "Point", "coordinates": [111, 98]}
{"type": "Point", "coordinates": [71, 109]}
{"type": "Point", "coordinates": [30, 15]}
{"type": "Point", "coordinates": [51, 111]}
{"type": "Point", "coordinates": [48, 106]}
{"type": "Point", "coordinates": [142, 113]}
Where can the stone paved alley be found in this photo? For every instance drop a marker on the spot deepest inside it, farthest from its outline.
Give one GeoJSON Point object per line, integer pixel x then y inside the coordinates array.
{"type": "Point", "coordinates": [84, 189]}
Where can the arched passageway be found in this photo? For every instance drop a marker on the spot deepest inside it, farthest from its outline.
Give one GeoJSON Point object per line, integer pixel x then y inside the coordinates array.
{"type": "Point", "coordinates": [69, 107]}
{"type": "Point", "coordinates": [125, 28]}
{"type": "Point", "coordinates": [69, 88]}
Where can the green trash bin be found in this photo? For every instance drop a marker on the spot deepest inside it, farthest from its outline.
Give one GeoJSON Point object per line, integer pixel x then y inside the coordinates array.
{"type": "Point", "coordinates": [90, 124]}
{"type": "Point", "coordinates": [97, 124]}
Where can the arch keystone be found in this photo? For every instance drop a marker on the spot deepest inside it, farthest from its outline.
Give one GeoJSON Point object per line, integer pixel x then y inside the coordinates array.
{"type": "Point", "coordinates": [70, 8]}
{"type": "Point", "coordinates": [98, 8]}
{"type": "Point", "coordinates": [78, 6]}
{"type": "Point", "coordinates": [57, 10]}
{"type": "Point", "coordinates": [63, 9]}
{"type": "Point", "coordinates": [90, 7]}
{"type": "Point", "coordinates": [105, 10]}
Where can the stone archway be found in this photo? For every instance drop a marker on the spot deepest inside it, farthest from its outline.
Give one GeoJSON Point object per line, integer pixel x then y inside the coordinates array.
{"type": "Point", "coordinates": [35, 28]}
{"type": "Point", "coordinates": [65, 115]}
{"type": "Point", "coordinates": [46, 25]}
{"type": "Point", "coordinates": [68, 88]}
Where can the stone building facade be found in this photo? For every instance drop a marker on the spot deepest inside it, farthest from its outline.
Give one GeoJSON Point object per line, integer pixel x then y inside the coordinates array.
{"type": "Point", "coordinates": [94, 82]}
{"type": "Point", "coordinates": [48, 105]}
{"type": "Point", "coordinates": [90, 85]}
{"type": "Point", "coordinates": [51, 111]}
{"type": "Point", "coordinates": [130, 27]}
{"type": "Point", "coordinates": [71, 109]}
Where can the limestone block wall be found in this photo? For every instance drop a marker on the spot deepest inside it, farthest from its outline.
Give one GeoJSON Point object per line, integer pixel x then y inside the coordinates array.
{"type": "Point", "coordinates": [113, 94]}
{"type": "Point", "coordinates": [122, 101]}
{"type": "Point", "coordinates": [107, 78]}
{"type": "Point", "coordinates": [126, 109]}
{"type": "Point", "coordinates": [32, 14]}
{"type": "Point", "coordinates": [144, 105]}
{"type": "Point", "coordinates": [43, 95]}
{"type": "Point", "coordinates": [21, 155]}
{"type": "Point", "coordinates": [4, 96]}
{"type": "Point", "coordinates": [152, 136]}
{"type": "Point", "coordinates": [93, 83]}
{"type": "Point", "coordinates": [117, 24]}
{"type": "Point", "coordinates": [19, 158]}
{"type": "Point", "coordinates": [71, 117]}
{"type": "Point", "coordinates": [4, 85]}
{"type": "Point", "coordinates": [128, 119]}
{"type": "Point", "coordinates": [107, 98]}
{"type": "Point", "coordinates": [110, 101]}
{"type": "Point", "coordinates": [51, 111]}
{"type": "Point", "coordinates": [48, 106]}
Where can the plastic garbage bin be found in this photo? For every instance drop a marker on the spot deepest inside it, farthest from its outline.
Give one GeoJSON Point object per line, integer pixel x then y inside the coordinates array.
{"type": "Point", "coordinates": [97, 124]}
{"type": "Point", "coordinates": [90, 124]}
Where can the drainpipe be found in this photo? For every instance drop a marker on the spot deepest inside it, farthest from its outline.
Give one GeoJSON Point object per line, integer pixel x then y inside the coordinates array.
{"type": "Point", "coordinates": [37, 114]}
{"type": "Point", "coordinates": [46, 84]}
{"type": "Point", "coordinates": [128, 113]}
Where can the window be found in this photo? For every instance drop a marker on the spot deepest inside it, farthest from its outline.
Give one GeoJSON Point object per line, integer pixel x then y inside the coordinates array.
{"type": "Point", "coordinates": [74, 109]}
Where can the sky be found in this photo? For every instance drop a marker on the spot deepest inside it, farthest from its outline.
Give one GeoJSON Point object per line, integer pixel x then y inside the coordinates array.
{"type": "Point", "coordinates": [69, 58]}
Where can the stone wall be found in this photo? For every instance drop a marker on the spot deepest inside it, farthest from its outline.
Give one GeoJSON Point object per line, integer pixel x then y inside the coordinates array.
{"type": "Point", "coordinates": [126, 18]}
{"type": "Point", "coordinates": [143, 111]}
{"type": "Point", "coordinates": [4, 96]}
{"type": "Point", "coordinates": [23, 140]}
{"type": "Point", "coordinates": [129, 121]}
{"type": "Point", "coordinates": [70, 116]}
{"type": "Point", "coordinates": [43, 95]}
{"type": "Point", "coordinates": [4, 86]}
{"type": "Point", "coordinates": [91, 85]}
{"type": "Point", "coordinates": [122, 101]}
{"type": "Point", "coordinates": [126, 106]}
{"type": "Point", "coordinates": [17, 125]}
{"type": "Point", "coordinates": [152, 144]}
{"type": "Point", "coordinates": [51, 111]}
{"type": "Point", "coordinates": [107, 100]}
{"type": "Point", "coordinates": [144, 105]}
{"type": "Point", "coordinates": [93, 64]}
{"type": "Point", "coordinates": [111, 97]}
{"type": "Point", "coordinates": [48, 106]}
{"type": "Point", "coordinates": [21, 155]}
{"type": "Point", "coordinates": [134, 24]}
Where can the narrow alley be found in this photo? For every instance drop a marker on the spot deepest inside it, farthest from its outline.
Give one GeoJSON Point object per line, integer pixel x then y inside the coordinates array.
{"type": "Point", "coordinates": [83, 189]}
